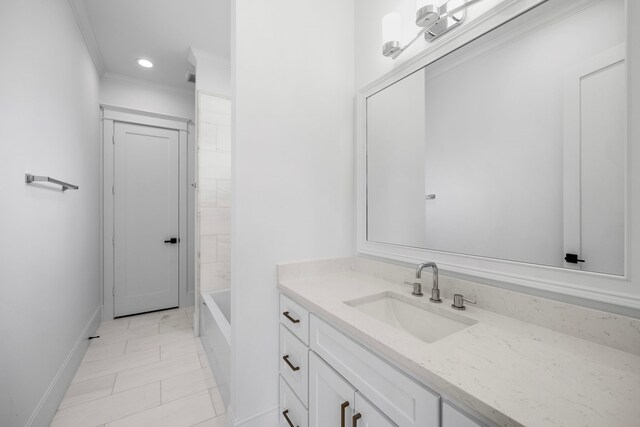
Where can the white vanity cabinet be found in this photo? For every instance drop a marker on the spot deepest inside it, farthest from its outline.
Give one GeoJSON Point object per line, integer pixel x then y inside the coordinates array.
{"type": "Point", "coordinates": [402, 399]}
{"type": "Point", "coordinates": [329, 380]}
{"type": "Point", "coordinates": [294, 358]}
{"type": "Point", "coordinates": [335, 402]}
{"type": "Point", "coordinates": [452, 417]}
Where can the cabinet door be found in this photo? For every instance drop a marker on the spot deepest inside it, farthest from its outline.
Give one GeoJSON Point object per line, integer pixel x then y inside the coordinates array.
{"type": "Point", "coordinates": [452, 417]}
{"type": "Point", "coordinates": [331, 397]}
{"type": "Point", "coordinates": [367, 415]}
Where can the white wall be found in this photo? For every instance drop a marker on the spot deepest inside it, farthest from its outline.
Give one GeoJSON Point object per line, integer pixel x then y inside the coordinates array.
{"type": "Point", "coordinates": [49, 256]}
{"type": "Point", "coordinates": [135, 94]}
{"type": "Point", "coordinates": [213, 74]}
{"type": "Point", "coordinates": [292, 64]}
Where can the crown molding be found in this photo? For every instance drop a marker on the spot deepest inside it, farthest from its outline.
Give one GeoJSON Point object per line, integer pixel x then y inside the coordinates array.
{"type": "Point", "coordinates": [132, 81]}
{"type": "Point", "coordinates": [80, 13]}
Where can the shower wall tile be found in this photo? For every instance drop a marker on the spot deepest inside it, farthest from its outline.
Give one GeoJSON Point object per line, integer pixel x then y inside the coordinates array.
{"type": "Point", "coordinates": [214, 177]}
{"type": "Point", "coordinates": [215, 221]}
{"type": "Point", "coordinates": [223, 247]}
{"type": "Point", "coordinates": [224, 138]}
{"type": "Point", "coordinates": [208, 192]}
{"type": "Point", "coordinates": [208, 248]}
{"type": "Point", "coordinates": [223, 191]}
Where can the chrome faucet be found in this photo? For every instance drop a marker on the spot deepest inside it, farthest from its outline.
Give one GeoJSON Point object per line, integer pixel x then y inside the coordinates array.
{"type": "Point", "coordinates": [435, 291]}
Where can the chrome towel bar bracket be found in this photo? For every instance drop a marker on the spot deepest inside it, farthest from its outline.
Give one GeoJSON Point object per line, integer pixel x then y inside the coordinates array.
{"type": "Point", "coordinates": [28, 178]}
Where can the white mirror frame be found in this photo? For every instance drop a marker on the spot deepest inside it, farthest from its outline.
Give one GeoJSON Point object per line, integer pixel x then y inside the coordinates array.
{"type": "Point", "coordinates": [623, 291]}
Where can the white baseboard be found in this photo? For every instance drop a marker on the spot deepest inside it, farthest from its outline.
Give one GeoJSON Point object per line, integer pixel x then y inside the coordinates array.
{"type": "Point", "coordinates": [48, 405]}
{"type": "Point", "coordinates": [266, 418]}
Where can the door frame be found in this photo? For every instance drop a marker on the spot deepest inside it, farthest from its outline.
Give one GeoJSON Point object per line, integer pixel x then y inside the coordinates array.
{"type": "Point", "coordinates": [110, 116]}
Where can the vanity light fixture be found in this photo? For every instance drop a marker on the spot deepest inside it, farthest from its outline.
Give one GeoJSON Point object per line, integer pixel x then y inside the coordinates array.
{"type": "Point", "coordinates": [435, 19]}
{"type": "Point", "coordinates": [145, 63]}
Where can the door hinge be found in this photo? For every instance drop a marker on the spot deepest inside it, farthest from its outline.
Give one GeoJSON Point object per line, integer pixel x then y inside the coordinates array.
{"type": "Point", "coordinates": [113, 139]}
{"type": "Point", "coordinates": [113, 190]}
{"type": "Point", "coordinates": [113, 241]}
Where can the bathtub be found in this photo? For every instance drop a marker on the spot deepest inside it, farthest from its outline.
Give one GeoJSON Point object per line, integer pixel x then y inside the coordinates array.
{"type": "Point", "coordinates": [215, 332]}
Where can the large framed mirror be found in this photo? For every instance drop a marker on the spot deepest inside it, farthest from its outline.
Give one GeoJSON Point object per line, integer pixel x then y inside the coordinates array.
{"type": "Point", "coordinates": [510, 148]}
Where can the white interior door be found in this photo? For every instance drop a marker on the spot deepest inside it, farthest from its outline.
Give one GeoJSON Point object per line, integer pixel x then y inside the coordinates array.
{"type": "Point", "coordinates": [145, 219]}
{"type": "Point", "coordinates": [594, 162]}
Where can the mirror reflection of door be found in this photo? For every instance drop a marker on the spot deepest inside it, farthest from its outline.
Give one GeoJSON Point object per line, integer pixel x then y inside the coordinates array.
{"type": "Point", "coordinates": [396, 150]}
{"type": "Point", "coordinates": [594, 153]}
{"type": "Point", "coordinates": [145, 219]}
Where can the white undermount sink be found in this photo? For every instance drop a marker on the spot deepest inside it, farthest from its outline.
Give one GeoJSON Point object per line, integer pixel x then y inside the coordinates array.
{"type": "Point", "coordinates": [418, 317]}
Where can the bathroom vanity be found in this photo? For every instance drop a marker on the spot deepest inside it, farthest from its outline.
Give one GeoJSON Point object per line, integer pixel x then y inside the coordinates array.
{"type": "Point", "coordinates": [357, 349]}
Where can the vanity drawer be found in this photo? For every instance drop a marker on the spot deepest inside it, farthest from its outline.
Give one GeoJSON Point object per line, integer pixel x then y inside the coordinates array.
{"type": "Point", "coordinates": [295, 318]}
{"type": "Point", "coordinates": [291, 408]}
{"type": "Point", "coordinates": [402, 399]}
{"type": "Point", "coordinates": [294, 364]}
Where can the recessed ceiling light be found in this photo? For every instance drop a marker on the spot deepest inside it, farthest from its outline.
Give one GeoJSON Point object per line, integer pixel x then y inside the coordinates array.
{"type": "Point", "coordinates": [145, 63]}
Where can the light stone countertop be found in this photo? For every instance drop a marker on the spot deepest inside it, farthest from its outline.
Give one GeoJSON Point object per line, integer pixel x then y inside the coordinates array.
{"type": "Point", "coordinates": [510, 371]}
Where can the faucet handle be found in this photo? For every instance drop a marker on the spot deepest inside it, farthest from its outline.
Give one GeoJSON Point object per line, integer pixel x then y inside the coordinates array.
{"type": "Point", "coordinates": [417, 288]}
{"type": "Point", "coordinates": [459, 300]}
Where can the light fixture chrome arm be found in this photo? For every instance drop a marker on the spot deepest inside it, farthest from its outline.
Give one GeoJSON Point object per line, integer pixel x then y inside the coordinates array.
{"type": "Point", "coordinates": [463, 6]}
{"type": "Point", "coordinates": [429, 17]}
{"type": "Point", "coordinates": [397, 52]}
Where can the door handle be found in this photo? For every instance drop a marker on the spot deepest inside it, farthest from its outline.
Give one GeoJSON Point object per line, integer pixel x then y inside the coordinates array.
{"type": "Point", "coordinates": [293, 368]}
{"type": "Point", "coordinates": [286, 417]}
{"type": "Point", "coordinates": [342, 414]}
{"type": "Point", "coordinates": [572, 258]}
{"type": "Point", "coordinates": [172, 240]}
{"type": "Point", "coordinates": [356, 417]}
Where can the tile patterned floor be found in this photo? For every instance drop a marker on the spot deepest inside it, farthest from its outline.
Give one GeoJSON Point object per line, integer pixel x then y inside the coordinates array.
{"type": "Point", "coordinates": [146, 370]}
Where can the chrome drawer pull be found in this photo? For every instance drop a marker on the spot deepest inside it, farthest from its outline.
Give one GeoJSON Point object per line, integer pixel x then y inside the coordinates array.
{"type": "Point", "coordinates": [286, 417]}
{"type": "Point", "coordinates": [286, 314]}
{"type": "Point", "coordinates": [293, 368]}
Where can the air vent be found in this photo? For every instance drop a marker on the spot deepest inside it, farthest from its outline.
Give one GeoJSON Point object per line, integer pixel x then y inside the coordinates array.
{"type": "Point", "coordinates": [190, 77]}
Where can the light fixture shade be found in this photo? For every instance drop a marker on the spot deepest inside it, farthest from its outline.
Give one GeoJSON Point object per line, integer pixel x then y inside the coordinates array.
{"type": "Point", "coordinates": [391, 27]}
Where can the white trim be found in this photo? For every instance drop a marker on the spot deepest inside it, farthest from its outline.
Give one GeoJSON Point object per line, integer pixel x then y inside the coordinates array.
{"type": "Point", "coordinates": [110, 116]}
{"type": "Point", "coordinates": [128, 115]}
{"type": "Point", "coordinates": [268, 417]}
{"type": "Point", "coordinates": [89, 37]}
{"type": "Point", "coordinates": [160, 87]}
{"type": "Point", "coordinates": [590, 286]}
{"type": "Point", "coordinates": [48, 404]}
{"type": "Point", "coordinates": [191, 206]}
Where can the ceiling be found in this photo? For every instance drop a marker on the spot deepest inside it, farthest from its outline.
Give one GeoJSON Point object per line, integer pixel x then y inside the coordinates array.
{"type": "Point", "coordinates": [118, 32]}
